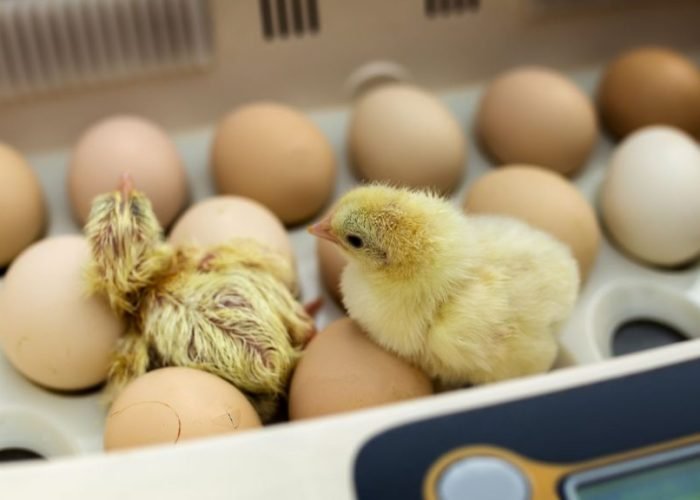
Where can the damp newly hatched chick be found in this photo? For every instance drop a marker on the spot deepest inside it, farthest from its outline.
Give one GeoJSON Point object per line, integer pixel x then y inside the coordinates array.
{"type": "Point", "coordinates": [228, 310]}
{"type": "Point", "coordinates": [469, 299]}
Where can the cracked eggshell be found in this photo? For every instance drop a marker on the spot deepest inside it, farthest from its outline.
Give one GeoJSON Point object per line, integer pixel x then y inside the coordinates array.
{"type": "Point", "coordinates": [52, 331]}
{"type": "Point", "coordinates": [174, 404]}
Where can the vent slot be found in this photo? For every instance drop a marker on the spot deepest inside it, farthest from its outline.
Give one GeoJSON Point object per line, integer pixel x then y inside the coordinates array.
{"type": "Point", "coordinates": [67, 43]}
{"type": "Point", "coordinates": [282, 18]}
{"type": "Point", "coordinates": [435, 8]}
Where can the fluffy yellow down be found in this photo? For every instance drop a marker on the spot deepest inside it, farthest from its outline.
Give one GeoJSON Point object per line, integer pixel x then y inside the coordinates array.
{"type": "Point", "coordinates": [469, 299]}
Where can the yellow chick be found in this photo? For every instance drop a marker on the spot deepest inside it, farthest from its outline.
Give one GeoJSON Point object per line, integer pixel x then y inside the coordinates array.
{"type": "Point", "coordinates": [228, 310]}
{"type": "Point", "coordinates": [469, 299]}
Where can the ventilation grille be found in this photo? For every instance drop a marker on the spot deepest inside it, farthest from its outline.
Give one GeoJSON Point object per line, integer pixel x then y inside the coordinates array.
{"type": "Point", "coordinates": [576, 6]}
{"type": "Point", "coordinates": [283, 18]}
{"type": "Point", "coordinates": [46, 45]}
{"type": "Point", "coordinates": [435, 8]}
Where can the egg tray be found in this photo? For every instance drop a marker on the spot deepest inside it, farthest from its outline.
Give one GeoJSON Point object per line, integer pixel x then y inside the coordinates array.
{"type": "Point", "coordinates": [618, 289]}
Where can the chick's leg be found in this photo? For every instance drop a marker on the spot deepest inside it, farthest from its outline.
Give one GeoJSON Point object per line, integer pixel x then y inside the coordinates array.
{"type": "Point", "coordinates": [129, 361]}
{"type": "Point", "coordinates": [312, 308]}
{"type": "Point", "coordinates": [124, 238]}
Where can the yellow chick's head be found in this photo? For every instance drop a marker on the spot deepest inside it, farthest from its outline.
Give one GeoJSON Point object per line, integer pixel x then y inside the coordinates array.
{"type": "Point", "coordinates": [385, 228]}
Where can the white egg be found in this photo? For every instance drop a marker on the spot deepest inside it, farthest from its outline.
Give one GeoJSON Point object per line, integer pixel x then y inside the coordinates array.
{"type": "Point", "coordinates": [650, 197]}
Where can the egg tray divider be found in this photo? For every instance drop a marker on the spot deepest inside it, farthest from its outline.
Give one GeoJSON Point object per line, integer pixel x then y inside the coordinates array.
{"type": "Point", "coordinates": [618, 289]}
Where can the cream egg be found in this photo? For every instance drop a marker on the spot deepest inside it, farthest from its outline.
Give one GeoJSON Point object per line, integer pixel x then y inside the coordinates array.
{"type": "Point", "coordinates": [276, 156]}
{"type": "Point", "coordinates": [650, 198]}
{"type": "Point", "coordinates": [22, 206]}
{"type": "Point", "coordinates": [402, 134]}
{"type": "Point", "coordinates": [537, 116]}
{"type": "Point", "coordinates": [133, 145]}
{"type": "Point", "coordinates": [650, 86]}
{"type": "Point", "coordinates": [53, 332]}
{"type": "Point", "coordinates": [219, 219]}
{"type": "Point", "coordinates": [343, 370]}
{"type": "Point", "coordinates": [171, 405]}
{"type": "Point", "coordinates": [543, 199]}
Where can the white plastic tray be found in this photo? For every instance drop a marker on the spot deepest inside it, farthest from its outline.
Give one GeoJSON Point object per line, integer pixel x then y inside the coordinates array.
{"type": "Point", "coordinates": [312, 460]}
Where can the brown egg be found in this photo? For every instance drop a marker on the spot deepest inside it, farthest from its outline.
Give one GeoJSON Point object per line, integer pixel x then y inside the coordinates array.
{"type": "Point", "coordinates": [537, 116]}
{"type": "Point", "coordinates": [342, 370]}
{"type": "Point", "coordinates": [650, 86]}
{"type": "Point", "coordinates": [331, 263]}
{"type": "Point", "coordinates": [544, 200]}
{"type": "Point", "coordinates": [402, 134]}
{"type": "Point", "coordinates": [219, 219]}
{"type": "Point", "coordinates": [22, 212]}
{"type": "Point", "coordinates": [122, 144]}
{"type": "Point", "coordinates": [275, 155]}
{"type": "Point", "coordinates": [175, 404]}
{"type": "Point", "coordinates": [52, 332]}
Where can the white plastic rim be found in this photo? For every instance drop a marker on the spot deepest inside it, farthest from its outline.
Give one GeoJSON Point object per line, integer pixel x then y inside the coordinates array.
{"type": "Point", "coordinates": [375, 73]}
{"type": "Point", "coordinates": [622, 301]}
{"type": "Point", "coordinates": [24, 429]}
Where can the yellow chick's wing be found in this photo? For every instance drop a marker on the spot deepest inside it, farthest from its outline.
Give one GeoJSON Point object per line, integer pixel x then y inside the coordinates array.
{"type": "Point", "coordinates": [505, 319]}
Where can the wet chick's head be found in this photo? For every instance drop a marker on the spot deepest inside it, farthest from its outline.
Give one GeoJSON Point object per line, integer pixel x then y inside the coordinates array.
{"type": "Point", "coordinates": [385, 228]}
{"type": "Point", "coordinates": [124, 238]}
{"type": "Point", "coordinates": [123, 216]}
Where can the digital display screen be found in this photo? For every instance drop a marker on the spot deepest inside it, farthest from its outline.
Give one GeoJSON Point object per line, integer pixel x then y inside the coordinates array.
{"type": "Point", "coordinates": [670, 481]}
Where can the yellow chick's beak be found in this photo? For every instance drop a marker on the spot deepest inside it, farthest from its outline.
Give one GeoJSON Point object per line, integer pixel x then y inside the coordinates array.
{"type": "Point", "coordinates": [322, 229]}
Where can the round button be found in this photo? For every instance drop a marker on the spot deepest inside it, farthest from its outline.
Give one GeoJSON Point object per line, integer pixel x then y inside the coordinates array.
{"type": "Point", "coordinates": [482, 478]}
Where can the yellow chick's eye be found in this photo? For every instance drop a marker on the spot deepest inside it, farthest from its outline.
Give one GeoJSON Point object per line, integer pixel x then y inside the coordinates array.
{"type": "Point", "coordinates": [354, 241]}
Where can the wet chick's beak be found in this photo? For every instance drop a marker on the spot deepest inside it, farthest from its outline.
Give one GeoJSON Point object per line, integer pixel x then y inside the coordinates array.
{"type": "Point", "coordinates": [322, 229]}
{"type": "Point", "coordinates": [126, 184]}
